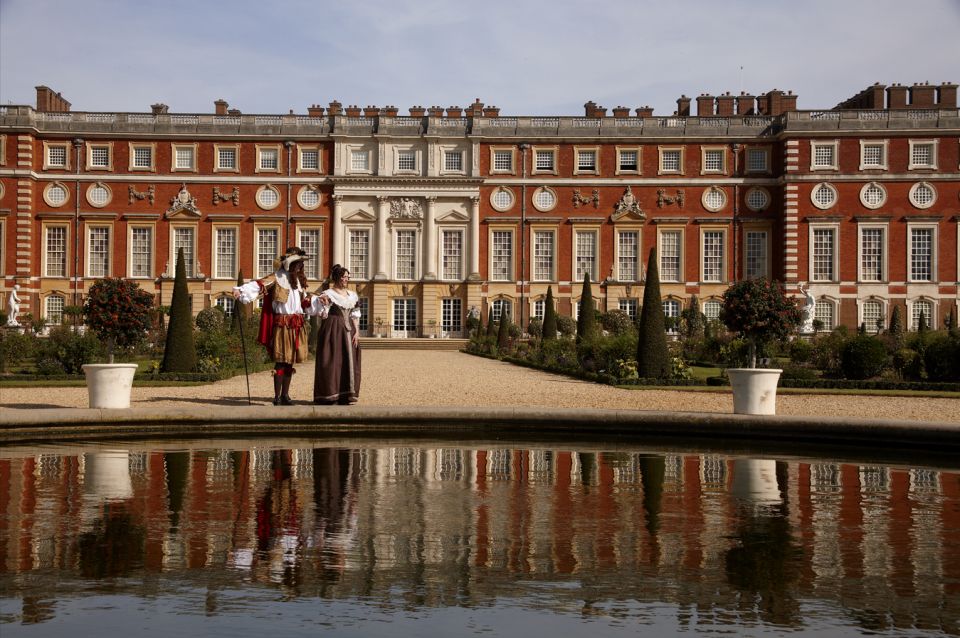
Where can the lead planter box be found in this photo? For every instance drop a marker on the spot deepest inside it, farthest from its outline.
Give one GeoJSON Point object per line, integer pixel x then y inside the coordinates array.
{"type": "Point", "coordinates": [109, 384]}
{"type": "Point", "coordinates": [754, 390]}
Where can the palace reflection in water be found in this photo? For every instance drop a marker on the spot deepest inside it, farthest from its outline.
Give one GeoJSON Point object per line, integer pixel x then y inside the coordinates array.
{"type": "Point", "coordinates": [724, 540]}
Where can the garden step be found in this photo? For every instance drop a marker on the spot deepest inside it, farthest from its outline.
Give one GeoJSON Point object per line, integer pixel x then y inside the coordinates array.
{"type": "Point", "coordinates": [374, 343]}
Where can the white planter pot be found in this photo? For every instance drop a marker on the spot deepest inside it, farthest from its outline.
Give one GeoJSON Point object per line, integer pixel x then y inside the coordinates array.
{"type": "Point", "coordinates": [109, 384]}
{"type": "Point", "coordinates": [754, 390]}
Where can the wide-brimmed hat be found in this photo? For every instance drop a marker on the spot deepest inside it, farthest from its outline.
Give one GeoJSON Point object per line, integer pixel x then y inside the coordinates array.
{"type": "Point", "coordinates": [288, 258]}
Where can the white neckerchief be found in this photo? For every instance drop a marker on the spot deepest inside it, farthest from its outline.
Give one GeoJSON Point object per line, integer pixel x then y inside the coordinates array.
{"type": "Point", "coordinates": [346, 301]}
{"type": "Point", "coordinates": [283, 280]}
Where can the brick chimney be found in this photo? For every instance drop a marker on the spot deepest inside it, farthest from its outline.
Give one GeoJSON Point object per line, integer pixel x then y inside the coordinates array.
{"type": "Point", "coordinates": [644, 111]}
{"type": "Point", "coordinates": [621, 111]}
{"type": "Point", "coordinates": [704, 105]}
{"type": "Point", "coordinates": [335, 108]}
{"type": "Point", "coordinates": [897, 96]}
{"type": "Point", "coordinates": [475, 109]}
{"type": "Point", "coordinates": [922, 95]}
{"type": "Point", "coordinates": [371, 111]}
{"type": "Point", "coordinates": [683, 106]}
{"type": "Point", "coordinates": [352, 110]}
{"type": "Point", "coordinates": [159, 108]}
{"type": "Point", "coordinates": [947, 96]}
{"type": "Point", "coordinates": [746, 104]}
{"type": "Point", "coordinates": [417, 111]}
{"type": "Point", "coordinates": [50, 102]}
{"type": "Point", "coordinates": [315, 110]}
{"type": "Point", "coordinates": [454, 112]}
{"type": "Point", "coordinates": [599, 112]}
{"type": "Point", "coordinates": [220, 107]}
{"type": "Point", "coordinates": [874, 96]}
{"type": "Point", "coordinates": [725, 104]}
{"type": "Point", "coordinates": [389, 111]}
{"type": "Point", "coordinates": [789, 102]}
{"type": "Point", "coordinates": [588, 108]}
{"type": "Point", "coordinates": [771, 102]}
{"type": "Point", "coordinates": [491, 111]}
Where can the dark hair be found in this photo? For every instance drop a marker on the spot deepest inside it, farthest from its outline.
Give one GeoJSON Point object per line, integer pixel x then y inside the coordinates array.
{"type": "Point", "coordinates": [337, 273]}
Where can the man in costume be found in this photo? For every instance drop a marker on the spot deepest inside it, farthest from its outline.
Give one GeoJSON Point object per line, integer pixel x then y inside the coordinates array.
{"type": "Point", "coordinates": [282, 327]}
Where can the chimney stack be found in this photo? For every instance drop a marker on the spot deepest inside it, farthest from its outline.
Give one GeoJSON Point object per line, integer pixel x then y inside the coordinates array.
{"type": "Point", "coordinates": [683, 106]}
{"type": "Point", "coordinates": [704, 105]}
{"type": "Point", "coordinates": [159, 108]}
{"type": "Point", "coordinates": [947, 96]}
{"type": "Point", "coordinates": [335, 108]}
{"type": "Point", "coordinates": [220, 107]}
{"type": "Point", "coordinates": [50, 102]}
{"type": "Point", "coordinates": [644, 111]}
{"type": "Point", "coordinates": [746, 104]}
{"type": "Point", "coordinates": [315, 110]}
{"type": "Point", "coordinates": [922, 95]}
{"type": "Point", "coordinates": [897, 96]}
{"type": "Point", "coordinates": [725, 104]}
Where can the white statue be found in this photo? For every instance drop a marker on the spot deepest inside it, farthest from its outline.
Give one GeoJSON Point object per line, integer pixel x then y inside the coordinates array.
{"type": "Point", "coordinates": [13, 307]}
{"type": "Point", "coordinates": [809, 311]}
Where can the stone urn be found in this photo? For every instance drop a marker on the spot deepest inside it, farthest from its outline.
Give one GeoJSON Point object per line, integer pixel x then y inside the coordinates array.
{"type": "Point", "coordinates": [754, 390]}
{"type": "Point", "coordinates": [109, 384]}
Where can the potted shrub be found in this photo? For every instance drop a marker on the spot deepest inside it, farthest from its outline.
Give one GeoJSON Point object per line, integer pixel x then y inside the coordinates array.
{"type": "Point", "coordinates": [379, 323]}
{"type": "Point", "coordinates": [758, 311]}
{"type": "Point", "coordinates": [433, 328]}
{"type": "Point", "coordinates": [119, 313]}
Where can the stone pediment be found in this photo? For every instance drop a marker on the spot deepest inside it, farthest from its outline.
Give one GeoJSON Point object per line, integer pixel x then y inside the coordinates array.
{"type": "Point", "coordinates": [628, 216]}
{"type": "Point", "coordinates": [360, 215]}
{"type": "Point", "coordinates": [183, 205]}
{"type": "Point", "coordinates": [453, 216]}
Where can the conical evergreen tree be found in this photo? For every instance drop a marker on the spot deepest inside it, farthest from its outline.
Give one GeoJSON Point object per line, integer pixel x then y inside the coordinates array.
{"type": "Point", "coordinates": [693, 320]}
{"type": "Point", "coordinates": [549, 316]}
{"type": "Point", "coordinates": [491, 327]}
{"type": "Point", "coordinates": [587, 318]}
{"type": "Point", "coordinates": [503, 332]}
{"type": "Point", "coordinates": [653, 359]}
{"type": "Point", "coordinates": [179, 353]}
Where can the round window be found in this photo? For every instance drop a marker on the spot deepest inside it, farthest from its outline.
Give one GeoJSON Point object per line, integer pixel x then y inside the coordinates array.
{"type": "Point", "coordinates": [714, 199]}
{"type": "Point", "coordinates": [923, 195]}
{"type": "Point", "coordinates": [872, 195]}
{"type": "Point", "coordinates": [502, 199]}
{"type": "Point", "coordinates": [823, 196]}
{"type": "Point", "coordinates": [56, 194]}
{"type": "Point", "coordinates": [758, 199]}
{"type": "Point", "coordinates": [98, 195]}
{"type": "Point", "coordinates": [544, 199]}
{"type": "Point", "coordinates": [309, 198]}
{"type": "Point", "coordinates": [268, 197]}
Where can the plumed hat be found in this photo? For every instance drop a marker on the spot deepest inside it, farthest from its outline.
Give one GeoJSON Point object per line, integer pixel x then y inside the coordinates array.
{"type": "Point", "coordinates": [288, 258]}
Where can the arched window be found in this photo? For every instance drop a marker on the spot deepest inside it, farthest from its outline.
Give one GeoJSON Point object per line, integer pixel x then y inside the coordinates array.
{"type": "Point", "coordinates": [53, 310]}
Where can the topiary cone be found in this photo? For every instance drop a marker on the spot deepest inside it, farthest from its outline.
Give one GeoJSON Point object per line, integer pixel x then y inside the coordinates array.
{"type": "Point", "coordinates": [179, 352]}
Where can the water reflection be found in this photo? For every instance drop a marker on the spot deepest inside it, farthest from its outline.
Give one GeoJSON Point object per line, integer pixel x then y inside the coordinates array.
{"type": "Point", "coordinates": [705, 540]}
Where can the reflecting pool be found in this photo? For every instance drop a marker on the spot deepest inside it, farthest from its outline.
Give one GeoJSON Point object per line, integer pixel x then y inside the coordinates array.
{"type": "Point", "coordinates": [359, 538]}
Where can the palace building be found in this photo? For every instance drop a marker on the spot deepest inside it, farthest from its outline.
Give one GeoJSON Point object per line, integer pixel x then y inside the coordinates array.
{"type": "Point", "coordinates": [439, 213]}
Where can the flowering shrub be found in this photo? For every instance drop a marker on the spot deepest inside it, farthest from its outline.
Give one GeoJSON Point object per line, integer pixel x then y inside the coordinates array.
{"type": "Point", "coordinates": [760, 312]}
{"type": "Point", "coordinates": [118, 312]}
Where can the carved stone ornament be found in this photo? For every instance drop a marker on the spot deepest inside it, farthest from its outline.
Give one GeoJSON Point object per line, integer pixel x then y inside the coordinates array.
{"type": "Point", "coordinates": [406, 208]}
{"type": "Point", "coordinates": [628, 205]}
{"type": "Point", "coordinates": [580, 200]}
{"type": "Point", "coordinates": [184, 201]}
{"type": "Point", "coordinates": [135, 195]}
{"type": "Point", "coordinates": [663, 200]}
{"type": "Point", "coordinates": [224, 197]}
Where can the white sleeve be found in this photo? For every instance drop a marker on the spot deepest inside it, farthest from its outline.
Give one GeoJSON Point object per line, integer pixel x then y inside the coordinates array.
{"type": "Point", "coordinates": [355, 313]}
{"type": "Point", "coordinates": [316, 308]}
{"type": "Point", "coordinates": [249, 291]}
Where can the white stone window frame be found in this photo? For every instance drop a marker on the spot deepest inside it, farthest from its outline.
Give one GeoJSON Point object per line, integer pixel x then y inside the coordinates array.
{"type": "Point", "coordinates": [885, 261]}
{"type": "Point", "coordinates": [661, 150]}
{"type": "Point", "coordinates": [766, 160]}
{"type": "Point", "coordinates": [768, 246]}
{"type": "Point", "coordinates": [493, 199]}
{"type": "Point", "coordinates": [89, 195]}
{"type": "Point", "coordinates": [261, 149]}
{"type": "Point", "coordinates": [300, 152]}
{"type": "Point", "coordinates": [536, 193]}
{"type": "Point", "coordinates": [318, 258]}
{"type": "Point", "coordinates": [554, 257]}
{"type": "Point", "coordinates": [575, 252]}
{"type": "Point", "coordinates": [913, 195]}
{"type": "Point", "coordinates": [712, 303]}
{"type": "Point", "coordinates": [153, 250]}
{"type": "Point", "coordinates": [44, 261]}
{"type": "Point", "coordinates": [460, 229]}
{"type": "Point", "coordinates": [417, 160]}
{"type": "Point", "coordinates": [46, 156]}
{"type": "Point", "coordinates": [494, 150]}
{"type": "Point", "coordinates": [884, 160]}
{"type": "Point", "coordinates": [834, 227]}
{"type": "Point", "coordinates": [90, 151]}
{"type": "Point", "coordinates": [933, 154]}
{"type": "Point", "coordinates": [217, 167]}
{"type": "Point", "coordinates": [511, 275]}
{"type": "Point", "coordinates": [174, 147]}
{"type": "Point", "coordinates": [681, 232]}
{"type": "Point", "coordinates": [723, 160]}
{"type": "Point", "coordinates": [257, 229]}
{"type": "Point", "coordinates": [884, 309]}
{"type": "Point", "coordinates": [630, 171]}
{"type": "Point", "coordinates": [766, 195]}
{"type": "Point", "coordinates": [45, 304]}
{"type": "Point", "coordinates": [931, 319]}
{"type": "Point", "coordinates": [834, 145]}
{"type": "Point", "coordinates": [407, 226]}
{"type": "Point", "coordinates": [348, 231]}
{"type": "Point", "coordinates": [445, 150]}
{"type": "Point", "coordinates": [46, 194]}
{"type": "Point", "coordinates": [267, 206]}
{"type": "Point", "coordinates": [724, 257]}
{"type": "Point", "coordinates": [215, 253]}
{"type": "Point", "coordinates": [309, 188]}
{"type": "Point", "coordinates": [88, 229]}
{"type": "Point", "coordinates": [821, 205]}
{"type": "Point", "coordinates": [552, 150]}
{"type": "Point", "coordinates": [350, 151]}
{"type": "Point", "coordinates": [934, 251]}
{"type": "Point", "coordinates": [132, 149]}
{"type": "Point", "coordinates": [705, 199]}
{"type": "Point", "coordinates": [576, 160]}
{"type": "Point", "coordinates": [172, 249]}
{"type": "Point", "coordinates": [826, 301]}
{"type": "Point", "coordinates": [638, 267]}
{"type": "Point", "coordinates": [675, 303]}
{"type": "Point", "coordinates": [866, 202]}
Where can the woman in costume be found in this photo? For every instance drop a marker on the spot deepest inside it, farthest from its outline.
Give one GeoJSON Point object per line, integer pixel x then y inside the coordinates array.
{"type": "Point", "coordinates": [337, 377]}
{"type": "Point", "coordinates": [282, 328]}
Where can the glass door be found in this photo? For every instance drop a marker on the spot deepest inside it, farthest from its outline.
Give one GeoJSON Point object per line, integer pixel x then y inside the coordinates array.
{"type": "Point", "coordinates": [405, 317]}
{"type": "Point", "coordinates": [451, 318]}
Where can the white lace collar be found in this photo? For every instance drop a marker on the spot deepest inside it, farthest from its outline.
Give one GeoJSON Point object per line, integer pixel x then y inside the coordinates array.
{"type": "Point", "coordinates": [346, 301]}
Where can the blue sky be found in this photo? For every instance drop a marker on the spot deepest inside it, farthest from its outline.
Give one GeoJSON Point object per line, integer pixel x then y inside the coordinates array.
{"type": "Point", "coordinates": [529, 57]}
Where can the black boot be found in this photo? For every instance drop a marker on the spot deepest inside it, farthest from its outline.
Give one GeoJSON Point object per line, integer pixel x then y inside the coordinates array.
{"type": "Point", "coordinates": [285, 392]}
{"type": "Point", "coordinates": [277, 387]}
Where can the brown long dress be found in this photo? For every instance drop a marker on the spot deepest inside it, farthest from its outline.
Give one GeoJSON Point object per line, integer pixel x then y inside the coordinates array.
{"type": "Point", "coordinates": [337, 377]}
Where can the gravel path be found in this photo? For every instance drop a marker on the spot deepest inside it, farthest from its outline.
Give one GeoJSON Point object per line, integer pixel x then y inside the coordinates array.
{"type": "Point", "coordinates": [432, 378]}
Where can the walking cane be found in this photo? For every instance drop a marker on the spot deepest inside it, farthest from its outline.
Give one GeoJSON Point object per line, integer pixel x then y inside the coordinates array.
{"type": "Point", "coordinates": [243, 347]}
